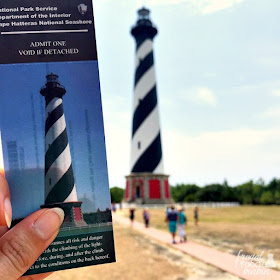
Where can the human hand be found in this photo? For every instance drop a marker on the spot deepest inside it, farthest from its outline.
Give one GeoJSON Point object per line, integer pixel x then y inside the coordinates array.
{"type": "Point", "coordinates": [23, 244]}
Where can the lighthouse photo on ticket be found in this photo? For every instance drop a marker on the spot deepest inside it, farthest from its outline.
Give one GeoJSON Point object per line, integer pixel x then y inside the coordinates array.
{"type": "Point", "coordinates": [52, 144]}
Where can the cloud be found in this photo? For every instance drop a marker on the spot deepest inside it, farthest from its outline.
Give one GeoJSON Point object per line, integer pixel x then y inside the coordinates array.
{"type": "Point", "coordinates": [202, 96]}
{"type": "Point", "coordinates": [238, 155]}
{"type": "Point", "coordinates": [272, 112]}
{"type": "Point", "coordinates": [150, 3]}
{"type": "Point", "coordinates": [118, 152]}
{"type": "Point", "coordinates": [212, 6]}
{"type": "Point", "coordinates": [276, 92]}
{"type": "Point", "coordinates": [199, 6]}
{"type": "Point", "coordinates": [117, 121]}
{"type": "Point", "coordinates": [210, 75]}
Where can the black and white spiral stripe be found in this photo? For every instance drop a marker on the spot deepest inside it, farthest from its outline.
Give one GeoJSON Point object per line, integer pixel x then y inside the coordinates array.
{"type": "Point", "coordinates": [59, 177]}
{"type": "Point", "coordinates": [146, 154]}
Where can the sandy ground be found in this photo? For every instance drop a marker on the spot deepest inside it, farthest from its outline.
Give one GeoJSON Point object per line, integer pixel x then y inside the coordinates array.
{"type": "Point", "coordinates": [141, 258]}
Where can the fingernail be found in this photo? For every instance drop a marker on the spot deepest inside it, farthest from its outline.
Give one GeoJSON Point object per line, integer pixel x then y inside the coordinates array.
{"type": "Point", "coordinates": [49, 223]}
{"type": "Point", "coordinates": [8, 211]}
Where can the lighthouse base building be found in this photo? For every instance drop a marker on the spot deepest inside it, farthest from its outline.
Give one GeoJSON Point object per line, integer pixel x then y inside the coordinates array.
{"type": "Point", "coordinates": [147, 188]}
{"type": "Point", "coordinates": [73, 215]}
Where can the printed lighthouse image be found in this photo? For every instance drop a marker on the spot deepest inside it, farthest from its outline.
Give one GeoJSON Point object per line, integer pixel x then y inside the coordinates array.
{"type": "Point", "coordinates": [147, 182]}
{"type": "Point", "coordinates": [60, 189]}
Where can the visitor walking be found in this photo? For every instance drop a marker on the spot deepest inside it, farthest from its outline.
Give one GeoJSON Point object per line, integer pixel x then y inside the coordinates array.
{"type": "Point", "coordinates": [114, 207]}
{"type": "Point", "coordinates": [195, 215]}
{"type": "Point", "coordinates": [146, 217]}
{"type": "Point", "coordinates": [131, 215]}
{"type": "Point", "coordinates": [166, 210]}
{"type": "Point", "coordinates": [182, 222]}
{"type": "Point", "coordinates": [172, 218]}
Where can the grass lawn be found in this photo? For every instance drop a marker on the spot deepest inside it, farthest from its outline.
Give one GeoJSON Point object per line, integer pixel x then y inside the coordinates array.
{"type": "Point", "coordinates": [84, 230]}
{"type": "Point", "coordinates": [252, 229]}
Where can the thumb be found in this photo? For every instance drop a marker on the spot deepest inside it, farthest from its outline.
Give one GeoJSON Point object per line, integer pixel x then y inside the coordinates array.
{"type": "Point", "coordinates": [23, 244]}
{"type": "Point", "coordinates": [5, 203]}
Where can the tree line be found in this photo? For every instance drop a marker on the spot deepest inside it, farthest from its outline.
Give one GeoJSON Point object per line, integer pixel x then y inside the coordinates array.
{"type": "Point", "coordinates": [248, 193]}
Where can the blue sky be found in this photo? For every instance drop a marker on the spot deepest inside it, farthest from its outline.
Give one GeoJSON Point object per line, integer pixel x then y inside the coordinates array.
{"type": "Point", "coordinates": [81, 80]}
{"type": "Point", "coordinates": [217, 64]}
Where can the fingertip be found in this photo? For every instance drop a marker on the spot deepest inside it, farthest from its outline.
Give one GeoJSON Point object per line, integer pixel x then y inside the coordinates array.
{"type": "Point", "coordinates": [2, 175]}
{"type": "Point", "coordinates": [5, 203]}
{"type": "Point", "coordinates": [48, 223]}
{"type": "Point", "coordinates": [60, 213]}
{"type": "Point", "coordinates": [8, 211]}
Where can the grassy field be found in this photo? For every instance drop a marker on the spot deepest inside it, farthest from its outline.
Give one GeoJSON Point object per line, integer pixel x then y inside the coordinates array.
{"type": "Point", "coordinates": [252, 229]}
{"type": "Point", "coordinates": [85, 230]}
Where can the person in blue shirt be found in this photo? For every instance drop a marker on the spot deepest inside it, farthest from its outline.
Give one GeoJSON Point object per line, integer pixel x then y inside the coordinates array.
{"type": "Point", "coordinates": [171, 218]}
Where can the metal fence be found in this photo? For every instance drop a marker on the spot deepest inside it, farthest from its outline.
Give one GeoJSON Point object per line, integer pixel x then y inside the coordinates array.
{"type": "Point", "coordinates": [87, 226]}
{"type": "Point", "coordinates": [185, 205]}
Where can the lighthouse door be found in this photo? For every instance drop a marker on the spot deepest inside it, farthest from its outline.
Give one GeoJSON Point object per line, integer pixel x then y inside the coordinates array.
{"type": "Point", "coordinates": [138, 192]}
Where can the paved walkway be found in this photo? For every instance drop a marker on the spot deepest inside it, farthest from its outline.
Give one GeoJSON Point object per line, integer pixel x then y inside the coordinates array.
{"type": "Point", "coordinates": [225, 261]}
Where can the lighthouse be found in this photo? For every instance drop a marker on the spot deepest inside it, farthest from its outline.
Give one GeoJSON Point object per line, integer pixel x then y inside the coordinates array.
{"type": "Point", "coordinates": [60, 189]}
{"type": "Point", "coordinates": [147, 182]}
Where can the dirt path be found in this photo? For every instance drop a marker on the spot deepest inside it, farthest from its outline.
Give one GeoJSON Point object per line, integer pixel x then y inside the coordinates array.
{"type": "Point", "coordinates": [139, 257]}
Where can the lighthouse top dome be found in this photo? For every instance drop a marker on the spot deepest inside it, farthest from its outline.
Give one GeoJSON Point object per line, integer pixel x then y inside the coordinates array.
{"type": "Point", "coordinates": [52, 78]}
{"type": "Point", "coordinates": [52, 88]}
{"type": "Point", "coordinates": [144, 13]}
{"type": "Point", "coordinates": [144, 17]}
{"type": "Point", "coordinates": [144, 27]}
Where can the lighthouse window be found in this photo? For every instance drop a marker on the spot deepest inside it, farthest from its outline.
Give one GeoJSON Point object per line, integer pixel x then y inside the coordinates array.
{"type": "Point", "coordinates": [50, 181]}
{"type": "Point", "coordinates": [139, 145]}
